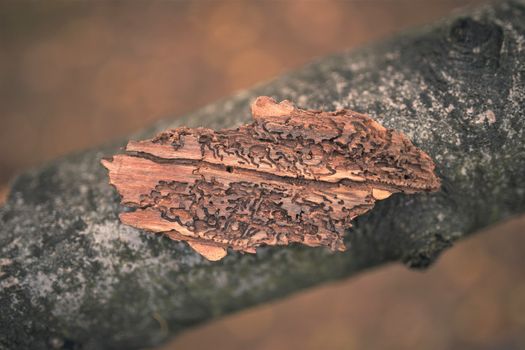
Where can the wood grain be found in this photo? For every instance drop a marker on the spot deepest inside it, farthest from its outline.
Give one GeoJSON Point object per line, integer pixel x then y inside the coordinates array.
{"type": "Point", "coordinates": [292, 176]}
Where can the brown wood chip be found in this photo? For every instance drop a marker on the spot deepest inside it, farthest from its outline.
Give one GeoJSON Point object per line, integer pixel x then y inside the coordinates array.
{"type": "Point", "coordinates": [292, 176]}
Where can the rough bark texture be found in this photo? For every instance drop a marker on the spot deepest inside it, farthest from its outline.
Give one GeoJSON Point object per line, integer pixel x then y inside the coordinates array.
{"type": "Point", "coordinates": [73, 275]}
{"type": "Point", "coordinates": [291, 176]}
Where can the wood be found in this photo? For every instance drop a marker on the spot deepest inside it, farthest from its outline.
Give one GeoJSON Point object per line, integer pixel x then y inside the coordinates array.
{"type": "Point", "coordinates": [292, 176]}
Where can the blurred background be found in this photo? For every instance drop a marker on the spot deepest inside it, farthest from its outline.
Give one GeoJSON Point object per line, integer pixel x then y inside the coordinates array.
{"type": "Point", "coordinates": [77, 74]}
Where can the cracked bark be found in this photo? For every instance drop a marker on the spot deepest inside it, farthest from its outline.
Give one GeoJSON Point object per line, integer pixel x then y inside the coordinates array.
{"type": "Point", "coordinates": [72, 274]}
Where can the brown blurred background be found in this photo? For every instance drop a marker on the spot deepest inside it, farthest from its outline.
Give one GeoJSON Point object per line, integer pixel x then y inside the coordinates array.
{"type": "Point", "coordinates": [77, 74]}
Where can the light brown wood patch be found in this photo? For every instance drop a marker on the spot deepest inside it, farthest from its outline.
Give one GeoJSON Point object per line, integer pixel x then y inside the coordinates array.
{"type": "Point", "coordinates": [292, 176]}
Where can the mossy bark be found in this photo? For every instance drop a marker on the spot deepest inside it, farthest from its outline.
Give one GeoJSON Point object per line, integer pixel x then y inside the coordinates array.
{"type": "Point", "coordinates": [71, 275]}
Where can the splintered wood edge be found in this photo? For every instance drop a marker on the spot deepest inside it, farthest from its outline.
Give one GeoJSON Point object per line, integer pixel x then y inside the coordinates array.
{"type": "Point", "coordinates": [210, 252]}
{"type": "Point", "coordinates": [265, 106]}
{"type": "Point", "coordinates": [263, 109]}
{"type": "Point", "coordinates": [380, 194]}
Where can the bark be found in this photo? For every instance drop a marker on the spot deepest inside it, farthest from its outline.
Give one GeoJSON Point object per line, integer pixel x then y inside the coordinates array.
{"type": "Point", "coordinates": [72, 275]}
{"type": "Point", "coordinates": [292, 176]}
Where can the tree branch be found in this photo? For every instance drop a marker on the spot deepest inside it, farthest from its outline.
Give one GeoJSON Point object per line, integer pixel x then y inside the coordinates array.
{"type": "Point", "coordinates": [72, 274]}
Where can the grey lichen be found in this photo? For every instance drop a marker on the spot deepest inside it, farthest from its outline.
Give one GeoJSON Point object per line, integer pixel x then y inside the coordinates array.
{"type": "Point", "coordinates": [71, 275]}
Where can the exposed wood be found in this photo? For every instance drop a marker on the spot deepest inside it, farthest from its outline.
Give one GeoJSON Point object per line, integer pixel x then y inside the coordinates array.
{"type": "Point", "coordinates": [292, 176]}
{"type": "Point", "coordinates": [210, 252]}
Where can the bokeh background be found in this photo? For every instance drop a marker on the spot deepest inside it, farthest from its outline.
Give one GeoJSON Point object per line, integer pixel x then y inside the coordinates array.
{"type": "Point", "coordinates": [77, 74]}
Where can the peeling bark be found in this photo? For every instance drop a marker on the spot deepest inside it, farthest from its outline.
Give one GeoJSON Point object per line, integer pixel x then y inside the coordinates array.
{"type": "Point", "coordinates": [292, 176]}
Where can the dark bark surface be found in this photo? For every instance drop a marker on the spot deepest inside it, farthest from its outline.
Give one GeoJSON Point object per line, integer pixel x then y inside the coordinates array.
{"type": "Point", "coordinates": [71, 275]}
